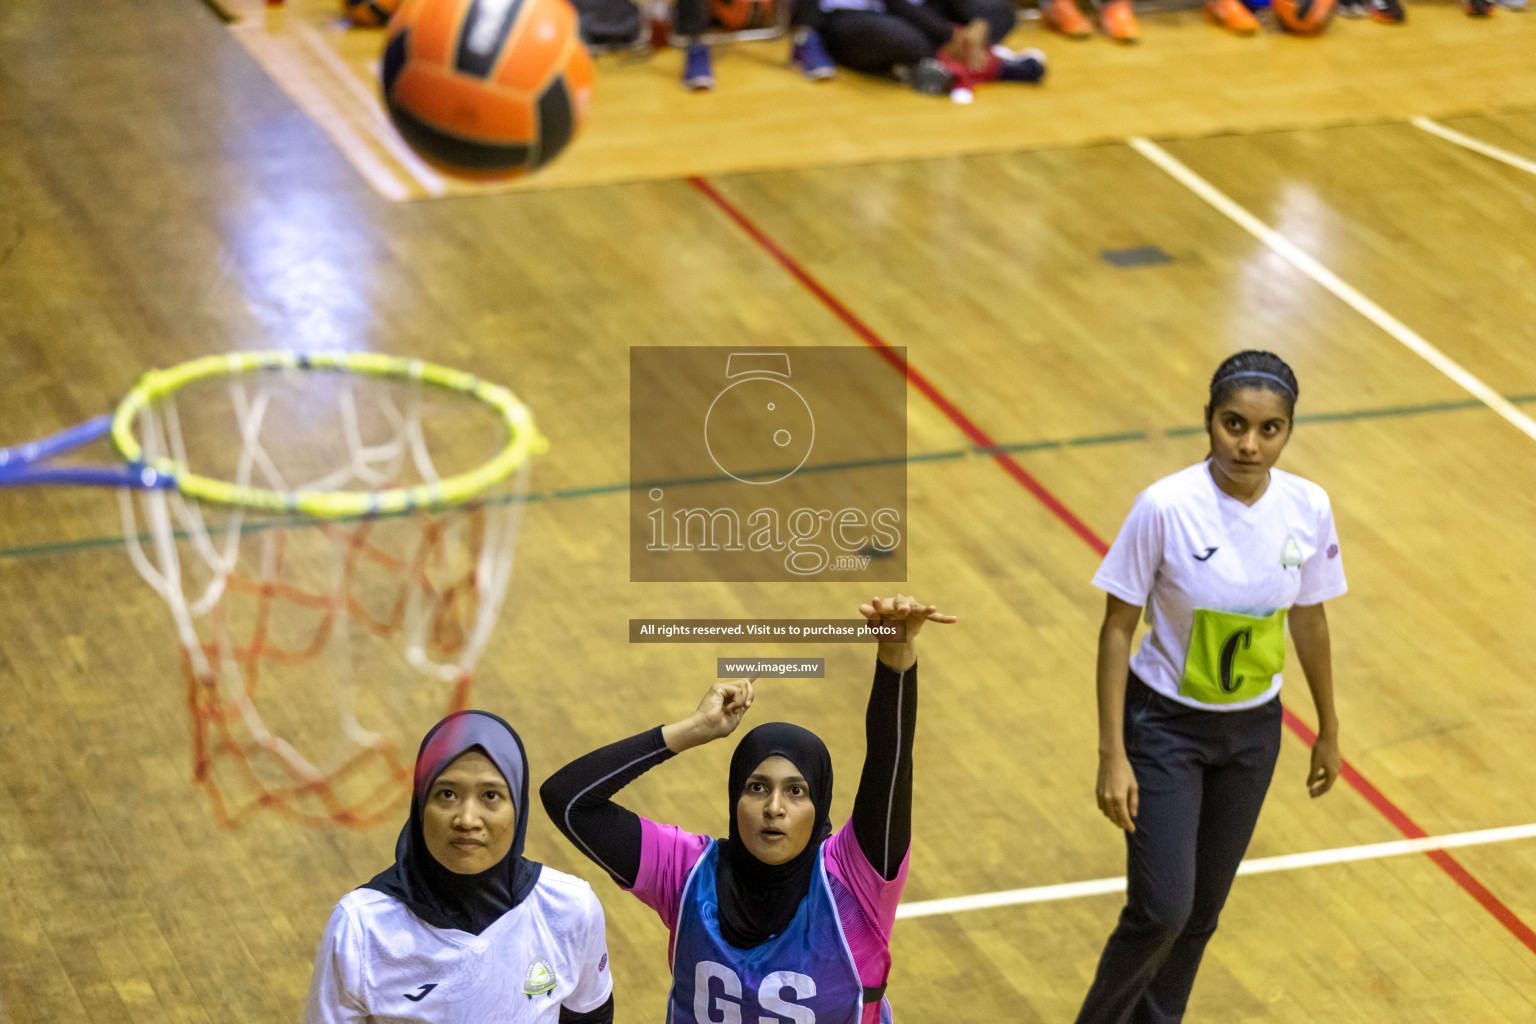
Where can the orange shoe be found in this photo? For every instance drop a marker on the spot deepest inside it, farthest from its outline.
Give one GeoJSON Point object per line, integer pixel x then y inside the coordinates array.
{"type": "Point", "coordinates": [1064, 17]}
{"type": "Point", "coordinates": [1233, 16]}
{"type": "Point", "coordinates": [1118, 22]}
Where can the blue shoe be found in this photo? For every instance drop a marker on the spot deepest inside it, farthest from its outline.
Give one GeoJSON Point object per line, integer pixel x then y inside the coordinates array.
{"type": "Point", "coordinates": [698, 74]}
{"type": "Point", "coordinates": [1024, 66]}
{"type": "Point", "coordinates": [810, 56]}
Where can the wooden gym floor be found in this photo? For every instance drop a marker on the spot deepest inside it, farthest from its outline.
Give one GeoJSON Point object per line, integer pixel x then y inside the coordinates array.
{"type": "Point", "coordinates": [162, 197]}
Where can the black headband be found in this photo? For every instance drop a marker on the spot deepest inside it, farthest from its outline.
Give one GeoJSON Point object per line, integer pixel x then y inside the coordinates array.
{"type": "Point", "coordinates": [1255, 373]}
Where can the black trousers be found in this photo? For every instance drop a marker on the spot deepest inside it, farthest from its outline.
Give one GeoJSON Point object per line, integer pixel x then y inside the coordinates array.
{"type": "Point", "coordinates": [1202, 776]}
{"type": "Point", "coordinates": [875, 43]}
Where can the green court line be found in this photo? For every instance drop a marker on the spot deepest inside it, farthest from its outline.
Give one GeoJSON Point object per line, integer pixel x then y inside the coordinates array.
{"type": "Point", "coordinates": [1089, 440]}
{"type": "Point", "coordinates": [1071, 442]}
{"type": "Point", "coordinates": [67, 545]}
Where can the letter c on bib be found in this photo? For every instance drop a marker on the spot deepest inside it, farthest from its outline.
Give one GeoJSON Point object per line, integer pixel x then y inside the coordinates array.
{"type": "Point", "coordinates": [1243, 638]}
{"type": "Point", "coordinates": [770, 997]}
{"type": "Point", "coordinates": [704, 1005]}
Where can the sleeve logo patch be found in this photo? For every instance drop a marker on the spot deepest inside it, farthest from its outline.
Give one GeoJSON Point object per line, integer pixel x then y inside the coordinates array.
{"type": "Point", "coordinates": [602, 964]}
{"type": "Point", "coordinates": [1333, 551]}
{"type": "Point", "coordinates": [540, 979]}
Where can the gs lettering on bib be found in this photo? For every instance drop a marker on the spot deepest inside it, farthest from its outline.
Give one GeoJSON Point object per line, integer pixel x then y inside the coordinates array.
{"type": "Point", "coordinates": [780, 993]}
{"type": "Point", "coordinates": [804, 975]}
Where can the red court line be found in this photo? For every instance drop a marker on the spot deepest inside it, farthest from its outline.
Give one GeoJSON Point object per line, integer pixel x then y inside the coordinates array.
{"type": "Point", "coordinates": [866, 334]}
{"type": "Point", "coordinates": [1410, 828]}
{"type": "Point", "coordinates": [1358, 782]}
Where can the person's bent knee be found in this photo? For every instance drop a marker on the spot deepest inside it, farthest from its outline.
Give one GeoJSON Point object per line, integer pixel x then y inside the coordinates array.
{"type": "Point", "coordinates": [873, 47]}
{"type": "Point", "coordinates": [1166, 920]}
{"type": "Point", "coordinates": [1000, 16]}
{"type": "Point", "coordinates": [1200, 925]}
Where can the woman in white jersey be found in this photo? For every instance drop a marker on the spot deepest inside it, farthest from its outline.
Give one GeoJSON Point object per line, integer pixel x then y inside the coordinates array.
{"type": "Point", "coordinates": [1223, 555]}
{"type": "Point", "coordinates": [464, 929]}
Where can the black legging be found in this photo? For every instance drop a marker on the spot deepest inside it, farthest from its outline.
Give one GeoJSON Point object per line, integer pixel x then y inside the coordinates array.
{"type": "Point", "coordinates": [875, 43]}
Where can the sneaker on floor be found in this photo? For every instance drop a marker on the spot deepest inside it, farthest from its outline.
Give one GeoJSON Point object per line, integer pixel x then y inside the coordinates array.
{"type": "Point", "coordinates": [1064, 17]}
{"type": "Point", "coordinates": [1352, 9]}
{"type": "Point", "coordinates": [1477, 8]}
{"type": "Point", "coordinates": [1513, 5]}
{"type": "Point", "coordinates": [1118, 22]}
{"type": "Point", "coordinates": [810, 56]}
{"type": "Point", "coordinates": [1023, 66]}
{"type": "Point", "coordinates": [1388, 12]}
{"type": "Point", "coordinates": [930, 77]}
{"type": "Point", "coordinates": [1233, 16]}
{"type": "Point", "coordinates": [698, 72]}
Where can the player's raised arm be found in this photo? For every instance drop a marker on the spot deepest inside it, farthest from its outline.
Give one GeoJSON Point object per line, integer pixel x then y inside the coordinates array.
{"type": "Point", "coordinates": [717, 716]}
{"type": "Point", "coordinates": [579, 797]}
{"type": "Point", "coordinates": [882, 809]}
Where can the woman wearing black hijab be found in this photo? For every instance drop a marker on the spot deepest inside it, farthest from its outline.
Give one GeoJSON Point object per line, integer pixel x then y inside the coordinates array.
{"type": "Point", "coordinates": [786, 919]}
{"type": "Point", "coordinates": [463, 929]}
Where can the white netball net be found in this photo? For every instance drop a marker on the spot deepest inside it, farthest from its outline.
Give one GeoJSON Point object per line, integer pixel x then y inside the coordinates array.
{"type": "Point", "coordinates": [315, 652]}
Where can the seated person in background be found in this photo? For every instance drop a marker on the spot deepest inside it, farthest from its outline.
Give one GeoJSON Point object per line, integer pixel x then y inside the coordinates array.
{"type": "Point", "coordinates": [690, 20]}
{"type": "Point", "coordinates": [1119, 23]}
{"type": "Point", "coordinates": [1388, 12]}
{"type": "Point", "coordinates": [1115, 18]}
{"type": "Point", "coordinates": [933, 45]}
{"type": "Point", "coordinates": [1391, 12]}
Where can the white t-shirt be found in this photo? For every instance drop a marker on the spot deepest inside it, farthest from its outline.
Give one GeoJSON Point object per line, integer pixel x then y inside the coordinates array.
{"type": "Point", "coordinates": [1186, 544]}
{"type": "Point", "coordinates": [378, 962]}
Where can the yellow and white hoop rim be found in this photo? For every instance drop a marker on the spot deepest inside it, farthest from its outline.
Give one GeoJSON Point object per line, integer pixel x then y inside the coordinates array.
{"type": "Point", "coordinates": [523, 439]}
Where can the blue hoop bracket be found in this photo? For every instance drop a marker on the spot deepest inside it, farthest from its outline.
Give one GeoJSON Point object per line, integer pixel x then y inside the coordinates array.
{"type": "Point", "coordinates": [28, 464]}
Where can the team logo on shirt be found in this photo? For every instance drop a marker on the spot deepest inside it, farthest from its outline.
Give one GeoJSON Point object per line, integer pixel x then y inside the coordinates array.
{"type": "Point", "coordinates": [540, 979]}
{"type": "Point", "coordinates": [1290, 555]}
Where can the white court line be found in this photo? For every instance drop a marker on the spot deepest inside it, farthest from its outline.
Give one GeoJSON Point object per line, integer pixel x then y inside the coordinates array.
{"type": "Point", "coordinates": [297, 83]}
{"type": "Point", "coordinates": [1286, 862]}
{"type": "Point", "coordinates": [1476, 145]}
{"type": "Point", "coordinates": [372, 107]}
{"type": "Point", "coordinates": [1293, 255]}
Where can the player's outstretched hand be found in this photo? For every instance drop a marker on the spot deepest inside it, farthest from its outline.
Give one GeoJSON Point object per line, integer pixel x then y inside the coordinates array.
{"type": "Point", "coordinates": [717, 715]}
{"type": "Point", "coordinates": [902, 607]}
{"type": "Point", "coordinates": [902, 656]}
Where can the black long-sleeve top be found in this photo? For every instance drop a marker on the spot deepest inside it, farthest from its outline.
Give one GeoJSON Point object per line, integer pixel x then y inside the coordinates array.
{"type": "Point", "coordinates": [579, 797]}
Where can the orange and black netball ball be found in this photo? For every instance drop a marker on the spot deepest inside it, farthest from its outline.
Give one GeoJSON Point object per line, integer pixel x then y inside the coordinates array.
{"type": "Point", "coordinates": [1304, 17]}
{"type": "Point", "coordinates": [369, 13]}
{"type": "Point", "coordinates": [486, 89]}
